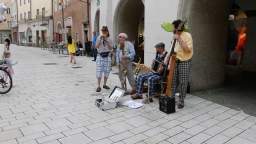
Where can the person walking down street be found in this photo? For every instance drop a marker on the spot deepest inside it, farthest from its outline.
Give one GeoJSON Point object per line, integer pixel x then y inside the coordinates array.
{"type": "Point", "coordinates": [71, 50]}
{"type": "Point", "coordinates": [104, 47]}
{"type": "Point", "coordinates": [125, 54]}
{"type": "Point", "coordinates": [80, 50]}
{"type": "Point", "coordinates": [184, 53]}
{"type": "Point", "coordinates": [7, 56]}
{"type": "Point", "coordinates": [94, 49]}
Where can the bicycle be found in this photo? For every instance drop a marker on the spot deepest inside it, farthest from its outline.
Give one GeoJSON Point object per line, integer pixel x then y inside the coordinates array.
{"type": "Point", "coordinates": [5, 78]}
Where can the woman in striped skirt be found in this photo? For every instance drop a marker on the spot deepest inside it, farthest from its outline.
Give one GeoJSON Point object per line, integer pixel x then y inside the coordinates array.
{"type": "Point", "coordinates": [104, 47]}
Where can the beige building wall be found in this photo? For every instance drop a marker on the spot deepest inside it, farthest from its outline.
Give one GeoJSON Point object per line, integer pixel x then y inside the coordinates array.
{"type": "Point", "coordinates": [23, 8]}
{"type": "Point", "coordinates": [39, 5]}
{"type": "Point", "coordinates": [5, 27]}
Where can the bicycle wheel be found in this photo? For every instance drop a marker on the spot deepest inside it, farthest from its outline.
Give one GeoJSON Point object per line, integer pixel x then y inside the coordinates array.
{"type": "Point", "coordinates": [5, 81]}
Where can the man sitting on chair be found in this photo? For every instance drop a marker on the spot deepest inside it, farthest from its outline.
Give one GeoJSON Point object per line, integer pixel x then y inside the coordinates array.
{"type": "Point", "coordinates": [153, 76]}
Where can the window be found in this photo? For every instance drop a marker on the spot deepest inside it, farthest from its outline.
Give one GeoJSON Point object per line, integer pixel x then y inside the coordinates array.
{"type": "Point", "coordinates": [37, 12]}
{"type": "Point", "coordinates": [8, 11]}
{"type": "Point", "coordinates": [21, 16]}
{"type": "Point", "coordinates": [43, 12]}
{"type": "Point", "coordinates": [25, 2]}
{"type": "Point", "coordinates": [20, 2]}
{"type": "Point", "coordinates": [28, 1]}
{"type": "Point", "coordinates": [25, 15]}
{"type": "Point", "coordinates": [29, 15]}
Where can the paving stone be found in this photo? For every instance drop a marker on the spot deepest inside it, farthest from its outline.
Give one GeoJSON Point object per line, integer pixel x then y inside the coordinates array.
{"type": "Point", "coordinates": [232, 132]}
{"type": "Point", "coordinates": [198, 139]}
{"type": "Point", "coordinates": [32, 129]}
{"type": "Point", "coordinates": [103, 141]}
{"type": "Point", "coordinates": [135, 139]}
{"type": "Point", "coordinates": [49, 138]}
{"type": "Point", "coordinates": [190, 123]}
{"type": "Point", "coordinates": [239, 140]}
{"type": "Point", "coordinates": [121, 136]}
{"type": "Point", "coordinates": [249, 134]}
{"type": "Point", "coordinates": [75, 139]}
{"type": "Point", "coordinates": [156, 139]}
{"type": "Point", "coordinates": [140, 129]}
{"type": "Point", "coordinates": [195, 130]}
{"type": "Point", "coordinates": [153, 131]}
{"type": "Point", "coordinates": [30, 137]}
{"type": "Point", "coordinates": [9, 135]}
{"type": "Point", "coordinates": [174, 131]}
{"type": "Point", "coordinates": [214, 130]}
{"type": "Point", "coordinates": [10, 142]}
{"type": "Point", "coordinates": [179, 138]}
{"type": "Point", "coordinates": [137, 121]}
{"type": "Point", "coordinates": [218, 139]}
{"type": "Point", "coordinates": [119, 127]}
{"type": "Point", "coordinates": [99, 133]}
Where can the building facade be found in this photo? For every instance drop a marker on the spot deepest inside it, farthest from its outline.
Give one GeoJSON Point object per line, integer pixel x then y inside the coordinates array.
{"type": "Point", "coordinates": [5, 27]}
{"type": "Point", "coordinates": [14, 21]}
{"type": "Point", "coordinates": [35, 22]}
{"type": "Point", "coordinates": [71, 19]}
{"type": "Point", "coordinates": [207, 22]}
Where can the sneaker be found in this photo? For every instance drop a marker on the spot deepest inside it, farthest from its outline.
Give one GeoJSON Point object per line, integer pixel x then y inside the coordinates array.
{"type": "Point", "coordinates": [106, 87]}
{"type": "Point", "coordinates": [98, 89]}
{"type": "Point", "coordinates": [132, 92]}
{"type": "Point", "coordinates": [180, 106]}
{"type": "Point", "coordinates": [135, 96]}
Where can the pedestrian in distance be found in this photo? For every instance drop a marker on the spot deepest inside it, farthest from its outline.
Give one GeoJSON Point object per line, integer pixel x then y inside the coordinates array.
{"type": "Point", "coordinates": [7, 56]}
{"type": "Point", "coordinates": [104, 47]}
{"type": "Point", "coordinates": [71, 50]}
{"type": "Point", "coordinates": [94, 49]}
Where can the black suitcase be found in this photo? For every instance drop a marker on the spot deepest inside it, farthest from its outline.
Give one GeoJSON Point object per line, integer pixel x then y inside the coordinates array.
{"type": "Point", "coordinates": [167, 104]}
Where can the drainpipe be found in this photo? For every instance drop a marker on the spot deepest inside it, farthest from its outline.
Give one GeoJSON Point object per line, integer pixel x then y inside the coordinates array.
{"type": "Point", "coordinates": [53, 28]}
{"type": "Point", "coordinates": [17, 16]}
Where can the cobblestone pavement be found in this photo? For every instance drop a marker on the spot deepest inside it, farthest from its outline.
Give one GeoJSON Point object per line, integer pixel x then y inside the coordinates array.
{"type": "Point", "coordinates": [54, 104]}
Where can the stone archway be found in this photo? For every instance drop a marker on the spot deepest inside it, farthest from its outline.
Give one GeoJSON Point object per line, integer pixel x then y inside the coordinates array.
{"type": "Point", "coordinates": [208, 22]}
{"type": "Point", "coordinates": [129, 18]}
{"type": "Point", "coordinates": [29, 35]}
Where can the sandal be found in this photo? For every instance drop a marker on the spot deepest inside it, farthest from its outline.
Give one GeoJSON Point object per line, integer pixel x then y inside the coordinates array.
{"type": "Point", "coordinates": [135, 96]}
{"type": "Point", "coordinates": [98, 89]}
{"type": "Point", "coordinates": [106, 87]}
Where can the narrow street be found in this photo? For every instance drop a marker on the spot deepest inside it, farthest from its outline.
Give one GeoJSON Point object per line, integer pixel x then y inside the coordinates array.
{"type": "Point", "coordinates": [52, 102]}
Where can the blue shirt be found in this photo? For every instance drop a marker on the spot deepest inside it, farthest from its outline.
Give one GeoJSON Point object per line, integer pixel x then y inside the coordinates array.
{"type": "Point", "coordinates": [130, 52]}
{"type": "Point", "coordinates": [94, 39]}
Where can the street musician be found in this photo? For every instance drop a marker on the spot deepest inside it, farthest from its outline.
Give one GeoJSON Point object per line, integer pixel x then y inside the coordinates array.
{"type": "Point", "coordinates": [152, 76]}
{"type": "Point", "coordinates": [124, 56]}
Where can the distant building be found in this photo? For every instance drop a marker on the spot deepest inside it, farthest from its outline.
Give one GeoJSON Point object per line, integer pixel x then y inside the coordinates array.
{"type": "Point", "coordinates": [5, 27]}
{"type": "Point", "coordinates": [14, 21]}
{"type": "Point", "coordinates": [71, 18]}
{"type": "Point", "coordinates": [35, 22]}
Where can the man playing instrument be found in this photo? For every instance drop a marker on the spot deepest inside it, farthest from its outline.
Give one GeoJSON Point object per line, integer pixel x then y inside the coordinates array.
{"type": "Point", "coordinates": [124, 56]}
{"type": "Point", "coordinates": [184, 53]}
{"type": "Point", "coordinates": [153, 76]}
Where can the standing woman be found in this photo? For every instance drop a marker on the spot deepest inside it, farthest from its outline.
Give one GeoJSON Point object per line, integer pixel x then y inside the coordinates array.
{"type": "Point", "coordinates": [104, 47]}
{"type": "Point", "coordinates": [71, 50]}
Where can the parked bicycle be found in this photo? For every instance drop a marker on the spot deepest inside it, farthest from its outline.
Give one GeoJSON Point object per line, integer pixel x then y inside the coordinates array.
{"type": "Point", "coordinates": [5, 78]}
